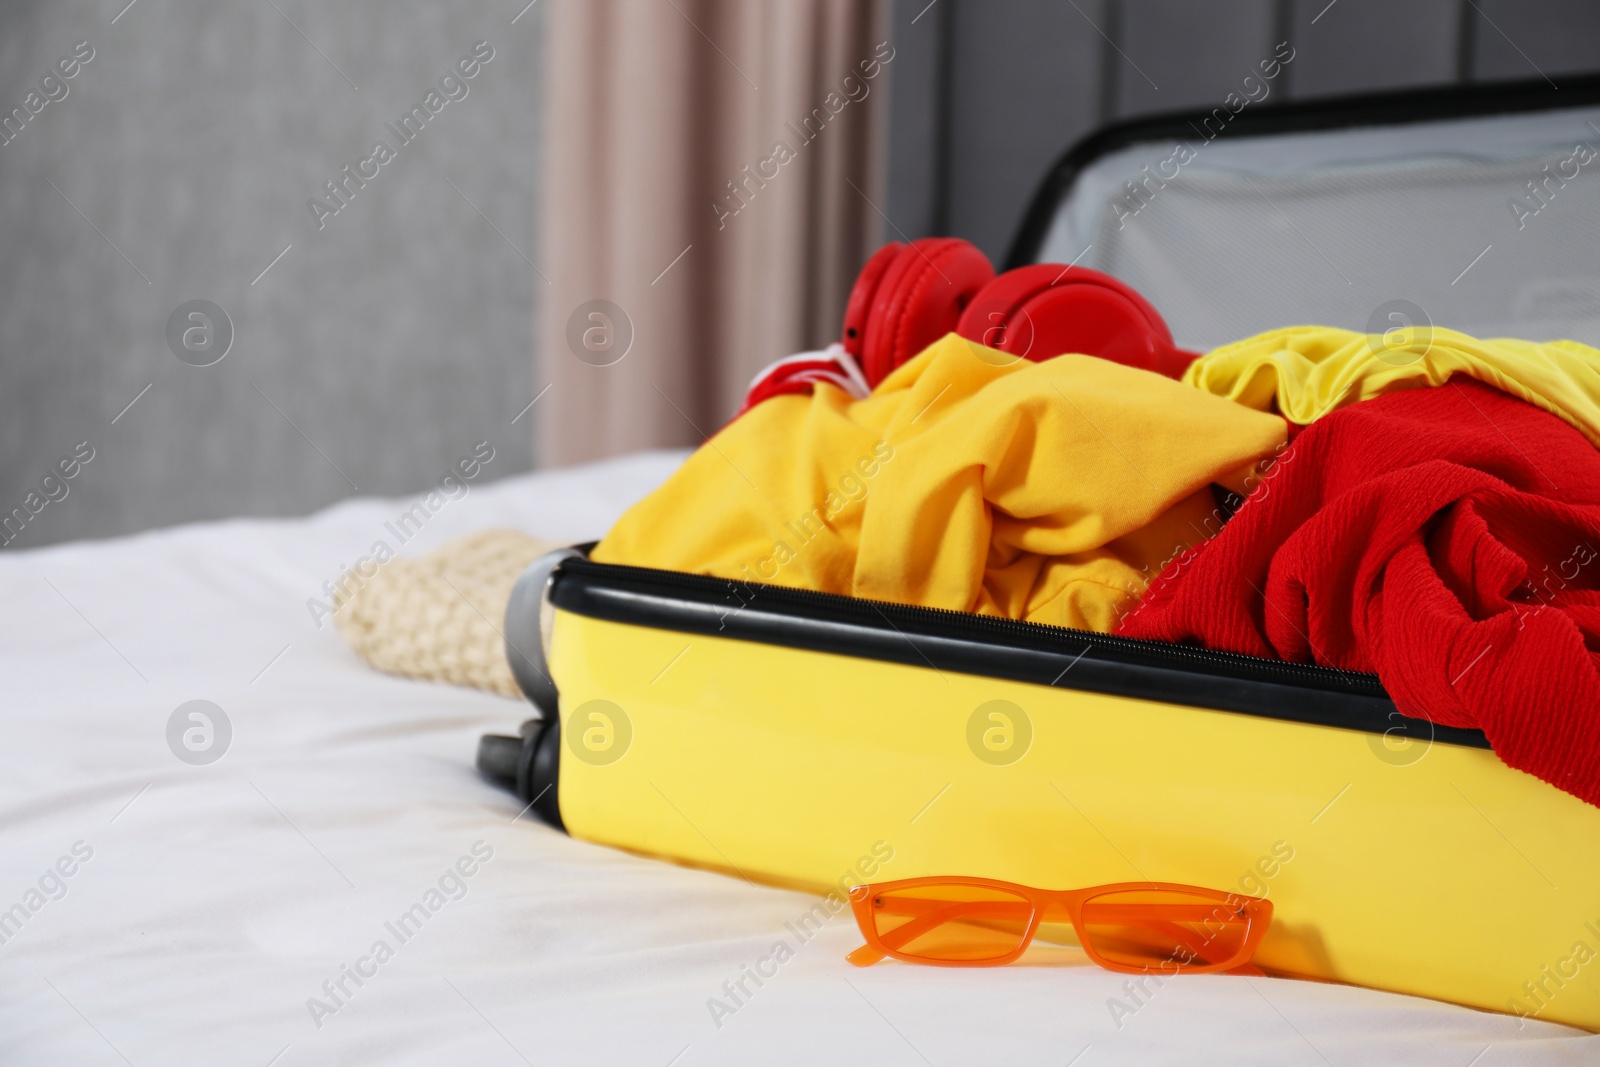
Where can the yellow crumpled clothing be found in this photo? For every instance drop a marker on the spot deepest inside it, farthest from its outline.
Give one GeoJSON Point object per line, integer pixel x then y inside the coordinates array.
{"type": "Point", "coordinates": [968, 480]}
{"type": "Point", "coordinates": [1309, 371]}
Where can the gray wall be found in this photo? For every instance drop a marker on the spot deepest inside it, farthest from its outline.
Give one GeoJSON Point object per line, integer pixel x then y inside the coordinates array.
{"type": "Point", "coordinates": [988, 93]}
{"type": "Point", "coordinates": [377, 350]}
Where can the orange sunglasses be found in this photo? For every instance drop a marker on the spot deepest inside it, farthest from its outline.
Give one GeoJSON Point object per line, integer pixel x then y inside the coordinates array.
{"type": "Point", "coordinates": [1135, 927]}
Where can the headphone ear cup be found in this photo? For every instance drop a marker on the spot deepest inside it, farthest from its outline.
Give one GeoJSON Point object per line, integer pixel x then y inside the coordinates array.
{"type": "Point", "coordinates": [1047, 309]}
{"type": "Point", "coordinates": [859, 307]}
{"type": "Point", "coordinates": [920, 298]}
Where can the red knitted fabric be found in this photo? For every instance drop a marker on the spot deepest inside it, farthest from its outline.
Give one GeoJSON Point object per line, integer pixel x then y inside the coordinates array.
{"type": "Point", "coordinates": [1446, 538]}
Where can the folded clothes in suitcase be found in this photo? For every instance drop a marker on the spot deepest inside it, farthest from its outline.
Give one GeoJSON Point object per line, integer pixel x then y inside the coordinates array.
{"type": "Point", "coordinates": [820, 741]}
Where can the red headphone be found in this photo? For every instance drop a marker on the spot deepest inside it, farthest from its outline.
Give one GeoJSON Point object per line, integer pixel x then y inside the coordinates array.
{"type": "Point", "coordinates": [910, 295]}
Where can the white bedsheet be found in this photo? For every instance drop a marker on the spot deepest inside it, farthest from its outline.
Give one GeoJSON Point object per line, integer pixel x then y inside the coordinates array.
{"type": "Point", "coordinates": [218, 899]}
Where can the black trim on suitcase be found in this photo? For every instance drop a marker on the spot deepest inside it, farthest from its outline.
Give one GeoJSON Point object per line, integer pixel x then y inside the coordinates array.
{"type": "Point", "coordinates": [990, 647]}
{"type": "Point", "coordinates": [1372, 109]}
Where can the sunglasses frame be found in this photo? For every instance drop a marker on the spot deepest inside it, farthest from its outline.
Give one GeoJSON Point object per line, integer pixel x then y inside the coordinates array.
{"type": "Point", "coordinates": [1257, 912]}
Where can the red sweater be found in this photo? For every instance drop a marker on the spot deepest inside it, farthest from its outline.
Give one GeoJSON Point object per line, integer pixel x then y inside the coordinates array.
{"type": "Point", "coordinates": [1447, 539]}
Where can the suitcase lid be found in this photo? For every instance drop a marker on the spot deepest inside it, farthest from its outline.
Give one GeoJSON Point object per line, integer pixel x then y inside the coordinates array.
{"type": "Point", "coordinates": [1473, 208]}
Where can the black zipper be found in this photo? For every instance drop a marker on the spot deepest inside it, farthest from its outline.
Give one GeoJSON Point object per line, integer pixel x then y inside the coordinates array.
{"type": "Point", "coordinates": [987, 628]}
{"type": "Point", "coordinates": [986, 646]}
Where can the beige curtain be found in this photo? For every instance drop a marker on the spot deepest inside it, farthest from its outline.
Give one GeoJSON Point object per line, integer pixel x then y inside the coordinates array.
{"type": "Point", "coordinates": [713, 168]}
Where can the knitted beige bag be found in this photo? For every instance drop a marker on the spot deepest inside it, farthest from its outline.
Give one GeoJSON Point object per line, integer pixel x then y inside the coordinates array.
{"type": "Point", "coordinates": [439, 616]}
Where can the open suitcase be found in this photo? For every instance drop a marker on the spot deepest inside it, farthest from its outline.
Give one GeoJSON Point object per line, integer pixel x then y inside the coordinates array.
{"type": "Point", "coordinates": [820, 741]}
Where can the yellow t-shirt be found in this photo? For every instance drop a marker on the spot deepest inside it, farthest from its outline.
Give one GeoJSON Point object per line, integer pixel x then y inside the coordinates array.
{"type": "Point", "coordinates": [968, 480]}
{"type": "Point", "coordinates": [1308, 371]}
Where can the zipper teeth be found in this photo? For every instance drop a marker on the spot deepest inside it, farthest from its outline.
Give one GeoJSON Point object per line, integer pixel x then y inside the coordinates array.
{"type": "Point", "coordinates": [989, 623]}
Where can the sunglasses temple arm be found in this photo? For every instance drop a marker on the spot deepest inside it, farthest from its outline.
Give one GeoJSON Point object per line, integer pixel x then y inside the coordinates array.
{"type": "Point", "coordinates": [1184, 936]}
{"type": "Point", "coordinates": [865, 956]}
{"type": "Point", "coordinates": [1245, 967]}
{"type": "Point", "coordinates": [869, 954]}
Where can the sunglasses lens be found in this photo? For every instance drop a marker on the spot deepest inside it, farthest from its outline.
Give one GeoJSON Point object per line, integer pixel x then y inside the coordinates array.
{"type": "Point", "coordinates": [1165, 930]}
{"type": "Point", "coordinates": [962, 923]}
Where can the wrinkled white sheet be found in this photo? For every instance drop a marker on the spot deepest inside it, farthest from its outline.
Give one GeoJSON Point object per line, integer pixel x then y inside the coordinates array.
{"type": "Point", "coordinates": [218, 899]}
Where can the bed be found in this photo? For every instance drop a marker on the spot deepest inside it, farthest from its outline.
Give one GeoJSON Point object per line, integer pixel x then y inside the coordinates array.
{"type": "Point", "coordinates": [231, 911]}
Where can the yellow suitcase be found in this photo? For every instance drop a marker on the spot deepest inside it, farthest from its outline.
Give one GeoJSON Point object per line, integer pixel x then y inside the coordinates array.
{"type": "Point", "coordinates": [820, 741]}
